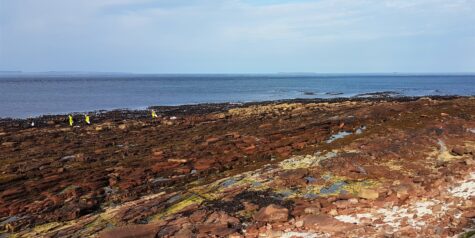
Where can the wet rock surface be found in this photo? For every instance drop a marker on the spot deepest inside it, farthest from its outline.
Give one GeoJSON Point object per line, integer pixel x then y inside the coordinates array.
{"type": "Point", "coordinates": [304, 168]}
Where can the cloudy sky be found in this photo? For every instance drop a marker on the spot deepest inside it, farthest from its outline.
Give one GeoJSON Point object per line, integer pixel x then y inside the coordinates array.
{"type": "Point", "coordinates": [238, 36]}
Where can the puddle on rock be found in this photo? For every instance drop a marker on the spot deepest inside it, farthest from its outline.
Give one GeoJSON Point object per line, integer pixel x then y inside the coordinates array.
{"type": "Point", "coordinates": [343, 134]}
{"type": "Point", "coordinates": [339, 135]}
{"type": "Point", "coordinates": [310, 179]}
{"type": "Point", "coordinates": [360, 130]}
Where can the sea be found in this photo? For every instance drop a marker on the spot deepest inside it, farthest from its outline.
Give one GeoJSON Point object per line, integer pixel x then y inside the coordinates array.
{"type": "Point", "coordinates": [24, 95]}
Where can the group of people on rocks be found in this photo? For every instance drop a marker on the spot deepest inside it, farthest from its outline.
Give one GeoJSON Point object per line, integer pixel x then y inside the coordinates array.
{"type": "Point", "coordinates": [87, 119]}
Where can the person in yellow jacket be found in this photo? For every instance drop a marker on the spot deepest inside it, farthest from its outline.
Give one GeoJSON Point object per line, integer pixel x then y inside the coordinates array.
{"type": "Point", "coordinates": [154, 114]}
{"type": "Point", "coordinates": [87, 119]}
{"type": "Point", "coordinates": [71, 121]}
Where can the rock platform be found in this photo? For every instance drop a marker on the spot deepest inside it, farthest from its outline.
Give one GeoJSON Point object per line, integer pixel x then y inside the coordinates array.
{"type": "Point", "coordinates": [363, 167]}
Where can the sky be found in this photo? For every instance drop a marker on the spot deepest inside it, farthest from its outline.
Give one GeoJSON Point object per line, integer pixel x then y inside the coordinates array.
{"type": "Point", "coordinates": [238, 36]}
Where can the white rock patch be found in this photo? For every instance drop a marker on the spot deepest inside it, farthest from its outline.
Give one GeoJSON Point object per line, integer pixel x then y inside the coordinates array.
{"type": "Point", "coordinates": [301, 235]}
{"type": "Point", "coordinates": [354, 218]}
{"type": "Point", "coordinates": [466, 189]}
{"type": "Point", "coordinates": [394, 216]}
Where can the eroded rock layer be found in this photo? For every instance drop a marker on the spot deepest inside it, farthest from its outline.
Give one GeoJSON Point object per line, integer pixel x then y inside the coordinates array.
{"type": "Point", "coordinates": [363, 168]}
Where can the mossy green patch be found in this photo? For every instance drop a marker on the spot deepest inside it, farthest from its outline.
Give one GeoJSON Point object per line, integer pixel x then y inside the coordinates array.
{"type": "Point", "coordinates": [179, 206]}
{"type": "Point", "coordinates": [307, 161]}
{"type": "Point", "coordinates": [41, 229]}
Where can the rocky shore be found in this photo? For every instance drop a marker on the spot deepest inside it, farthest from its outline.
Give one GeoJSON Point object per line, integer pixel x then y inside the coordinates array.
{"type": "Point", "coordinates": [362, 167]}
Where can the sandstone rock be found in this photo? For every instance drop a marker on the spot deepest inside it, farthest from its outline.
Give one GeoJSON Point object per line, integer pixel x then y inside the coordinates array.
{"type": "Point", "coordinates": [369, 194]}
{"type": "Point", "coordinates": [458, 150]}
{"type": "Point", "coordinates": [353, 201]}
{"type": "Point", "coordinates": [235, 235]}
{"type": "Point", "coordinates": [293, 174]}
{"type": "Point", "coordinates": [272, 213]}
{"type": "Point", "coordinates": [8, 144]}
{"type": "Point", "coordinates": [203, 164]}
{"type": "Point", "coordinates": [342, 204]}
{"type": "Point", "coordinates": [198, 216]}
{"type": "Point", "coordinates": [157, 152]}
{"type": "Point", "coordinates": [470, 161]}
{"type": "Point", "coordinates": [312, 210]}
{"type": "Point", "coordinates": [469, 214]}
{"type": "Point", "coordinates": [326, 223]}
{"type": "Point", "coordinates": [248, 206]}
{"type": "Point", "coordinates": [212, 140]}
{"type": "Point", "coordinates": [265, 125]}
{"type": "Point", "coordinates": [299, 223]}
{"type": "Point", "coordinates": [402, 191]}
{"type": "Point", "coordinates": [185, 232]}
{"type": "Point", "coordinates": [179, 161]}
{"type": "Point", "coordinates": [250, 149]}
{"type": "Point", "coordinates": [218, 224]}
{"type": "Point", "coordinates": [219, 230]}
{"type": "Point", "coordinates": [284, 151]}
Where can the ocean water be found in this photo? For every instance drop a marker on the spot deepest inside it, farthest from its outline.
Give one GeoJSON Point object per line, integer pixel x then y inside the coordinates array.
{"type": "Point", "coordinates": [28, 95]}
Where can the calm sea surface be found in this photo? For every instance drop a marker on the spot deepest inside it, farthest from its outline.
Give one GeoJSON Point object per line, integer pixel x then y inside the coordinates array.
{"type": "Point", "coordinates": [26, 95]}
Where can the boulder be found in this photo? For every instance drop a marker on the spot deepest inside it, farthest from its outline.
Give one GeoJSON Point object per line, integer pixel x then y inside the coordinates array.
{"type": "Point", "coordinates": [312, 210]}
{"type": "Point", "coordinates": [132, 231]}
{"type": "Point", "coordinates": [326, 223]}
{"type": "Point", "coordinates": [458, 150]}
{"type": "Point", "coordinates": [272, 213]}
{"type": "Point", "coordinates": [369, 194]}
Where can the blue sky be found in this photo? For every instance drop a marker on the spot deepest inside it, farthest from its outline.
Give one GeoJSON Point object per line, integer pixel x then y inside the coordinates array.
{"type": "Point", "coordinates": [238, 36]}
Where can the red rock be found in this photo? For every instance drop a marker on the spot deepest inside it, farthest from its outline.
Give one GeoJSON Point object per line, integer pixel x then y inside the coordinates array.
{"type": "Point", "coordinates": [248, 206]}
{"type": "Point", "coordinates": [299, 145]}
{"type": "Point", "coordinates": [235, 135]}
{"type": "Point", "coordinates": [198, 216]}
{"type": "Point", "coordinates": [312, 210]}
{"type": "Point", "coordinates": [212, 140]}
{"type": "Point", "coordinates": [293, 174]}
{"type": "Point", "coordinates": [272, 213]}
{"type": "Point", "coordinates": [284, 151]}
{"type": "Point", "coordinates": [133, 231]}
{"type": "Point", "coordinates": [250, 149]}
{"type": "Point", "coordinates": [179, 161]}
{"type": "Point", "coordinates": [157, 152]}
{"type": "Point", "coordinates": [218, 224]}
{"type": "Point", "coordinates": [8, 144]}
{"type": "Point", "coordinates": [182, 170]}
{"type": "Point", "coordinates": [219, 230]}
{"type": "Point", "coordinates": [184, 233]}
{"type": "Point", "coordinates": [265, 125]}
{"type": "Point", "coordinates": [326, 223]}
{"type": "Point", "coordinates": [203, 164]}
{"type": "Point", "coordinates": [162, 166]}
{"type": "Point", "coordinates": [342, 204]}
{"type": "Point", "coordinates": [369, 194]}
{"type": "Point", "coordinates": [469, 214]}
{"type": "Point", "coordinates": [459, 150]}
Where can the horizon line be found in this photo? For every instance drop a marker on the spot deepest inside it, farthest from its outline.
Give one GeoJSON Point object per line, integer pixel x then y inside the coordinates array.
{"type": "Point", "coordinates": [12, 72]}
